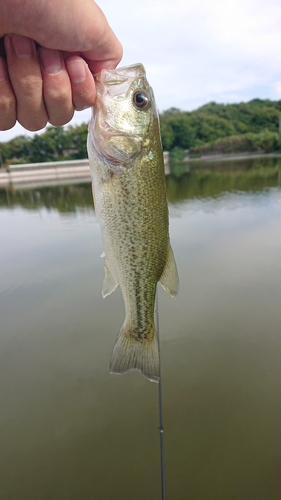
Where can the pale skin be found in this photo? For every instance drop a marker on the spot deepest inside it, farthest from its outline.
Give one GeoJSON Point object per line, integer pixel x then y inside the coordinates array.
{"type": "Point", "coordinates": [49, 51]}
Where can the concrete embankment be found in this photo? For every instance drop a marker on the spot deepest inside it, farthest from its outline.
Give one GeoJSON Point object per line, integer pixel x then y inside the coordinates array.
{"type": "Point", "coordinates": [47, 173]}
{"type": "Point", "coordinates": [231, 156]}
{"type": "Point", "coordinates": [28, 175]}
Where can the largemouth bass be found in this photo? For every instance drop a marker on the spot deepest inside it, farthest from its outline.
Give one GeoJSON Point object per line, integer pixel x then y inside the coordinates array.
{"type": "Point", "coordinates": [127, 169]}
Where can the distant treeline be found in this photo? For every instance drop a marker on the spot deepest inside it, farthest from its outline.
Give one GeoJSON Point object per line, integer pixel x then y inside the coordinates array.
{"type": "Point", "coordinates": [225, 128]}
{"type": "Point", "coordinates": [55, 144]}
{"type": "Point", "coordinates": [217, 128]}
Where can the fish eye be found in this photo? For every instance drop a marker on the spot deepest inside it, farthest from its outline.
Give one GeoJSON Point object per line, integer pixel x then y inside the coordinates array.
{"type": "Point", "coordinates": [141, 100]}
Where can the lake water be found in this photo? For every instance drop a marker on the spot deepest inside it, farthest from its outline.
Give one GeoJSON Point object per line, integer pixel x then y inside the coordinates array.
{"type": "Point", "coordinates": [69, 429]}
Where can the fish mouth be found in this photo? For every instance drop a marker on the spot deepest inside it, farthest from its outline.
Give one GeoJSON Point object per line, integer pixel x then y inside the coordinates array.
{"type": "Point", "coordinates": [121, 75]}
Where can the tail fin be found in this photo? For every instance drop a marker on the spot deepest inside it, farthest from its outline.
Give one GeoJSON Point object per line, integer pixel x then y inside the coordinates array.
{"type": "Point", "coordinates": [133, 353]}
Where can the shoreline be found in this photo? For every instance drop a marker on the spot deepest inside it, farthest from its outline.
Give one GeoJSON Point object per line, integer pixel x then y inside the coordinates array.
{"type": "Point", "coordinates": [232, 156]}
{"type": "Point", "coordinates": [28, 175]}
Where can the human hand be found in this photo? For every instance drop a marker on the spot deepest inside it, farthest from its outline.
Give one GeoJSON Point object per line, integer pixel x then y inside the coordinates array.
{"type": "Point", "coordinates": [50, 51]}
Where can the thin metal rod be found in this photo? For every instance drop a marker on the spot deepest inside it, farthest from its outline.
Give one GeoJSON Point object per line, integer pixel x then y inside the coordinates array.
{"type": "Point", "coordinates": [160, 405]}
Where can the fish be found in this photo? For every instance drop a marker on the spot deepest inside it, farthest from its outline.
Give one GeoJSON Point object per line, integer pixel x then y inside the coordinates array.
{"type": "Point", "coordinates": [129, 191]}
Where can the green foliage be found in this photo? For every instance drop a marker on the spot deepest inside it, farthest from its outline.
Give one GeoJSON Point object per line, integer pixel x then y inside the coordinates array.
{"type": "Point", "coordinates": [78, 141]}
{"type": "Point", "coordinates": [212, 122]}
{"type": "Point", "coordinates": [16, 148]}
{"type": "Point", "coordinates": [263, 142]}
{"type": "Point", "coordinates": [176, 129]}
{"type": "Point", "coordinates": [177, 154]}
{"type": "Point", "coordinates": [251, 126]}
{"type": "Point", "coordinates": [55, 144]}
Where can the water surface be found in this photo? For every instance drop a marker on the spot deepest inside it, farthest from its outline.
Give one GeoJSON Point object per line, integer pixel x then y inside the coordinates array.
{"type": "Point", "coordinates": [69, 430]}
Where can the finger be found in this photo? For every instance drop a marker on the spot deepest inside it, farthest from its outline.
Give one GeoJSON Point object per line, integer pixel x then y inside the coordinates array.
{"type": "Point", "coordinates": [82, 83]}
{"type": "Point", "coordinates": [56, 87]}
{"type": "Point", "coordinates": [7, 99]}
{"type": "Point", "coordinates": [26, 80]}
{"type": "Point", "coordinates": [74, 27]}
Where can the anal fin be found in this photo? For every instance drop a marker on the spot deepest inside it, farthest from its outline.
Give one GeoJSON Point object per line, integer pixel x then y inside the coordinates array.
{"type": "Point", "coordinates": [170, 278]}
{"type": "Point", "coordinates": [109, 283]}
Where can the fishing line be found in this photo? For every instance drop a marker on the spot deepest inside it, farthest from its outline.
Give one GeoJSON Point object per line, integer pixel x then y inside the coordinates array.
{"type": "Point", "coordinates": [160, 405]}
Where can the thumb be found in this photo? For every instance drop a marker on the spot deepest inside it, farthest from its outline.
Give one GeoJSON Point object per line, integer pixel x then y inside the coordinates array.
{"type": "Point", "coordinates": [72, 26]}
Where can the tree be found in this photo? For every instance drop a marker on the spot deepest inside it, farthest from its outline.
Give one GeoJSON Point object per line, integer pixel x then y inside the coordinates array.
{"type": "Point", "coordinates": [208, 125]}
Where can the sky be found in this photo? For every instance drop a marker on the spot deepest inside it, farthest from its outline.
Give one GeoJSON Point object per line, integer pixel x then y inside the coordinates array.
{"type": "Point", "coordinates": [197, 51]}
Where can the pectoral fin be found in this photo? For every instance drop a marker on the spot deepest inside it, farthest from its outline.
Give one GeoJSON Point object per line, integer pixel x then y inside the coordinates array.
{"type": "Point", "coordinates": [109, 283]}
{"type": "Point", "coordinates": [109, 182]}
{"type": "Point", "coordinates": [170, 279]}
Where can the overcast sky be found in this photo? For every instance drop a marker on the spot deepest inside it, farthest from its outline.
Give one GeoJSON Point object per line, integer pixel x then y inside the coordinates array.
{"type": "Point", "coordinates": [197, 51]}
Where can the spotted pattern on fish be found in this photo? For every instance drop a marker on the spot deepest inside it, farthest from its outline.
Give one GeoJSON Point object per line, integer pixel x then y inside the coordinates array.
{"type": "Point", "coordinates": [131, 207]}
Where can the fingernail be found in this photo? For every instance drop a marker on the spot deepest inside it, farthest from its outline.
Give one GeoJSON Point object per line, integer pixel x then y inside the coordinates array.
{"type": "Point", "coordinates": [77, 70]}
{"type": "Point", "coordinates": [3, 75]}
{"type": "Point", "coordinates": [51, 60]}
{"type": "Point", "coordinates": [22, 46]}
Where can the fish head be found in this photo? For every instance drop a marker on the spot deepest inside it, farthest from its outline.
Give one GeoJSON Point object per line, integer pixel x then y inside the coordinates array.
{"type": "Point", "coordinates": [122, 115]}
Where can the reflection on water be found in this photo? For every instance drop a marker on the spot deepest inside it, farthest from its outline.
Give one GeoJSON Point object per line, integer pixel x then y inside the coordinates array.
{"type": "Point", "coordinates": [186, 181]}
{"type": "Point", "coordinates": [69, 430]}
{"type": "Point", "coordinates": [211, 179]}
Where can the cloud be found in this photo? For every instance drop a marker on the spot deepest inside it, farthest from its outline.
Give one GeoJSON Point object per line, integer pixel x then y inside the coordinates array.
{"type": "Point", "coordinates": [194, 52]}
{"type": "Point", "coordinates": [276, 88]}
{"type": "Point", "coordinates": [200, 51]}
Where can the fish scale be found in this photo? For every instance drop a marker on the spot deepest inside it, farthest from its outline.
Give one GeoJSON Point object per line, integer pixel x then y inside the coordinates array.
{"type": "Point", "coordinates": [131, 206]}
